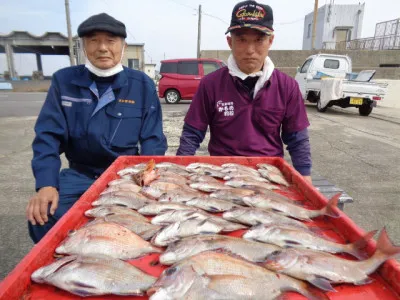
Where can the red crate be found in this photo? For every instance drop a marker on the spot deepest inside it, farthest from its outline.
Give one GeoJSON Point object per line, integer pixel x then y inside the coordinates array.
{"type": "Point", "coordinates": [18, 285]}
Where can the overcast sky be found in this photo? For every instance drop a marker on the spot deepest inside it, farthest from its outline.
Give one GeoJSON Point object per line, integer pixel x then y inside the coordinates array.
{"type": "Point", "coordinates": [167, 27]}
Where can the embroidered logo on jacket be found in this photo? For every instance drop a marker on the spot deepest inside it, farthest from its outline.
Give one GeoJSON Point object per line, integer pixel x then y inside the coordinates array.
{"type": "Point", "coordinates": [126, 101]}
{"type": "Point", "coordinates": [226, 108]}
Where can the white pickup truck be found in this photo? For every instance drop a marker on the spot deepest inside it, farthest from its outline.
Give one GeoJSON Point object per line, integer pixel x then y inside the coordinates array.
{"type": "Point", "coordinates": [327, 79]}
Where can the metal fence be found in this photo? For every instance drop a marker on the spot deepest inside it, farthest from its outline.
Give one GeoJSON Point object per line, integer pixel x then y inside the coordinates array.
{"type": "Point", "coordinates": [387, 37]}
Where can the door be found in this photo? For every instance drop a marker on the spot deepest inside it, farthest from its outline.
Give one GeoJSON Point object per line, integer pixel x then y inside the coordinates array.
{"type": "Point", "coordinates": [189, 78]}
{"type": "Point", "coordinates": [341, 38]}
{"type": "Point", "coordinates": [301, 77]}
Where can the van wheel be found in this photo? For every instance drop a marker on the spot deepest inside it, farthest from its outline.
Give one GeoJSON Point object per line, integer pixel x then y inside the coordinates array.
{"type": "Point", "coordinates": [365, 110]}
{"type": "Point", "coordinates": [172, 97]}
{"type": "Point", "coordinates": [320, 108]}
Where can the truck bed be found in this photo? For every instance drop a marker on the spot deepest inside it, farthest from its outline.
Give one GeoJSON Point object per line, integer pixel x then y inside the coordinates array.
{"type": "Point", "coordinates": [18, 285]}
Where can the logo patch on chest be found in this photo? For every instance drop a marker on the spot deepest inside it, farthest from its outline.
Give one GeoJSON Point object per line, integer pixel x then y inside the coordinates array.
{"type": "Point", "coordinates": [126, 101]}
{"type": "Point", "coordinates": [226, 108]}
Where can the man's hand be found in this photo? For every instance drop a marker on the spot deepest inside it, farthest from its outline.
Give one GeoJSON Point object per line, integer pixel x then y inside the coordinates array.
{"type": "Point", "coordinates": [308, 178]}
{"type": "Point", "coordinates": [36, 211]}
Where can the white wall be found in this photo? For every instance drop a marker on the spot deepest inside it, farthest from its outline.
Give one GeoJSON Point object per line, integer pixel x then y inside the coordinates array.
{"type": "Point", "coordinates": [150, 70]}
{"type": "Point", "coordinates": [344, 15]}
{"type": "Point", "coordinates": [319, 30]}
{"type": "Point", "coordinates": [392, 98]}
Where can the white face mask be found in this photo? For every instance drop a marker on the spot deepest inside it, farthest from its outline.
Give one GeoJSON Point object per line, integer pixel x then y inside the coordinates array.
{"type": "Point", "coordinates": [104, 72]}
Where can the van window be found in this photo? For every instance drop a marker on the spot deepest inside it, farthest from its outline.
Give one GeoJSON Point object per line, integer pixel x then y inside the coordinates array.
{"type": "Point", "coordinates": [306, 65]}
{"type": "Point", "coordinates": [169, 67]}
{"type": "Point", "coordinates": [331, 64]}
{"type": "Point", "coordinates": [188, 68]}
{"type": "Point", "coordinates": [209, 67]}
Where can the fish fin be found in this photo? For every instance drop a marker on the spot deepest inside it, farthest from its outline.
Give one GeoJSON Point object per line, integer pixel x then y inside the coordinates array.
{"type": "Point", "coordinates": [364, 281]}
{"type": "Point", "coordinates": [310, 292]}
{"type": "Point", "coordinates": [214, 209]}
{"type": "Point", "coordinates": [385, 246]}
{"type": "Point", "coordinates": [331, 209]}
{"type": "Point", "coordinates": [321, 283]}
{"type": "Point", "coordinates": [290, 242]}
{"type": "Point", "coordinates": [81, 292]}
{"type": "Point", "coordinates": [356, 248]}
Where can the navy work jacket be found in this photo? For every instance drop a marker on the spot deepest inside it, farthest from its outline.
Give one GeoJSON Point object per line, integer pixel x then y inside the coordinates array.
{"type": "Point", "coordinates": [91, 130]}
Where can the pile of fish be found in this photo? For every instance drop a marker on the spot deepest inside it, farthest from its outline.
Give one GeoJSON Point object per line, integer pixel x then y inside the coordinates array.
{"type": "Point", "coordinates": [184, 213]}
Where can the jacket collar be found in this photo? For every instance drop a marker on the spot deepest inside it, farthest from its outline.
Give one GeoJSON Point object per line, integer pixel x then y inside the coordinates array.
{"type": "Point", "coordinates": [83, 79]}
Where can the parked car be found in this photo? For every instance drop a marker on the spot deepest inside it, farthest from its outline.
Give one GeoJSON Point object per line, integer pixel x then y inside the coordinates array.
{"type": "Point", "coordinates": [180, 78]}
{"type": "Point", "coordinates": [327, 79]}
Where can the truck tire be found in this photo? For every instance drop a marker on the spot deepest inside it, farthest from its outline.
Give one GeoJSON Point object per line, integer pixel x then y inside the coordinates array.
{"type": "Point", "coordinates": [320, 108]}
{"type": "Point", "coordinates": [365, 110]}
{"type": "Point", "coordinates": [172, 96]}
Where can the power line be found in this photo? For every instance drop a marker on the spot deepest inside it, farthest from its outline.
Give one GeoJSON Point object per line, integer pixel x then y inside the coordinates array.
{"type": "Point", "coordinates": [291, 22]}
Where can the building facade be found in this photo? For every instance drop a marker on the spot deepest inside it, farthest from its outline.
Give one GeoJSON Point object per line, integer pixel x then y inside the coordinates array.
{"type": "Point", "coordinates": [335, 24]}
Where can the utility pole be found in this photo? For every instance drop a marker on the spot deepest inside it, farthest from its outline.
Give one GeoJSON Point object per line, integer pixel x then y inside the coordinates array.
{"type": "Point", "coordinates": [314, 24]}
{"type": "Point", "coordinates": [199, 33]}
{"type": "Point", "coordinates": [70, 44]}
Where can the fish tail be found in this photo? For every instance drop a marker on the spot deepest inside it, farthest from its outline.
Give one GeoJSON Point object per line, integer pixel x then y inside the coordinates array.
{"type": "Point", "coordinates": [385, 247]}
{"type": "Point", "coordinates": [356, 248]}
{"type": "Point", "coordinates": [331, 209]}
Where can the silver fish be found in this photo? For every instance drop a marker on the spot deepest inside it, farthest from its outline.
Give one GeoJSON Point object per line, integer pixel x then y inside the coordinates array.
{"type": "Point", "coordinates": [274, 177]}
{"type": "Point", "coordinates": [91, 276]}
{"type": "Point", "coordinates": [128, 186]}
{"type": "Point", "coordinates": [193, 166]}
{"type": "Point", "coordinates": [159, 207]}
{"type": "Point", "coordinates": [159, 187]}
{"type": "Point", "coordinates": [270, 168]}
{"type": "Point", "coordinates": [234, 195]}
{"type": "Point", "coordinates": [144, 229]}
{"type": "Point", "coordinates": [246, 177]}
{"type": "Point", "coordinates": [251, 251]}
{"type": "Point", "coordinates": [179, 230]}
{"type": "Point", "coordinates": [132, 170]}
{"type": "Point", "coordinates": [240, 183]}
{"type": "Point", "coordinates": [175, 282]}
{"type": "Point", "coordinates": [173, 216]}
{"type": "Point", "coordinates": [179, 196]}
{"type": "Point", "coordinates": [102, 211]}
{"type": "Point", "coordinates": [292, 209]}
{"type": "Point", "coordinates": [208, 172]}
{"type": "Point", "coordinates": [296, 237]}
{"type": "Point", "coordinates": [202, 178]}
{"type": "Point", "coordinates": [106, 239]}
{"type": "Point", "coordinates": [166, 165]}
{"type": "Point", "coordinates": [127, 199]}
{"type": "Point", "coordinates": [254, 216]}
{"type": "Point", "coordinates": [209, 186]}
{"type": "Point", "coordinates": [323, 269]}
{"type": "Point", "coordinates": [211, 204]}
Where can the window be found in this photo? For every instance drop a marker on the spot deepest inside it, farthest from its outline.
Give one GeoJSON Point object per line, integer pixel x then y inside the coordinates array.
{"type": "Point", "coordinates": [133, 63]}
{"type": "Point", "coordinates": [188, 68]}
{"type": "Point", "coordinates": [306, 65]}
{"type": "Point", "coordinates": [169, 67]}
{"type": "Point", "coordinates": [309, 31]}
{"type": "Point", "coordinates": [209, 67]}
{"type": "Point", "coordinates": [331, 64]}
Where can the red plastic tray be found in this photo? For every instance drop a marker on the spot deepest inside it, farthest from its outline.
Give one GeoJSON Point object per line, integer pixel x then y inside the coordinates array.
{"type": "Point", "coordinates": [18, 285]}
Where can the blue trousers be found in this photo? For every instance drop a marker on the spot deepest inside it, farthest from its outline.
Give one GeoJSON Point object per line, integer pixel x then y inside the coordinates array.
{"type": "Point", "coordinates": [72, 186]}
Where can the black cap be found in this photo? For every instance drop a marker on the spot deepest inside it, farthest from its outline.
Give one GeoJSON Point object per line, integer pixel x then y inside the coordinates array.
{"type": "Point", "coordinates": [102, 22]}
{"type": "Point", "coordinates": [250, 14]}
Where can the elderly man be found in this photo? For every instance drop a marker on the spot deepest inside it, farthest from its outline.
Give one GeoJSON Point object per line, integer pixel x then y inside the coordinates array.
{"type": "Point", "coordinates": [93, 113]}
{"type": "Point", "coordinates": [250, 106]}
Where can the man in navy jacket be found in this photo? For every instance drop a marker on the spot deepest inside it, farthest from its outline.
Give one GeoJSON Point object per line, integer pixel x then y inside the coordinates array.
{"type": "Point", "coordinates": [93, 113]}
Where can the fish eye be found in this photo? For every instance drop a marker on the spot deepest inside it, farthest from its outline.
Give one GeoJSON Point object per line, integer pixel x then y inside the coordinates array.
{"type": "Point", "coordinates": [276, 252]}
{"type": "Point", "coordinates": [170, 271]}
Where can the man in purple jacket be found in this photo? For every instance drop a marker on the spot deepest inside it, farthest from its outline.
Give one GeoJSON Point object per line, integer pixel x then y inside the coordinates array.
{"type": "Point", "coordinates": [250, 107]}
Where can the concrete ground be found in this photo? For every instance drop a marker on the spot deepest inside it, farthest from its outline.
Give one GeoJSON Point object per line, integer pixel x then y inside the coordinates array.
{"type": "Point", "coordinates": [358, 154]}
